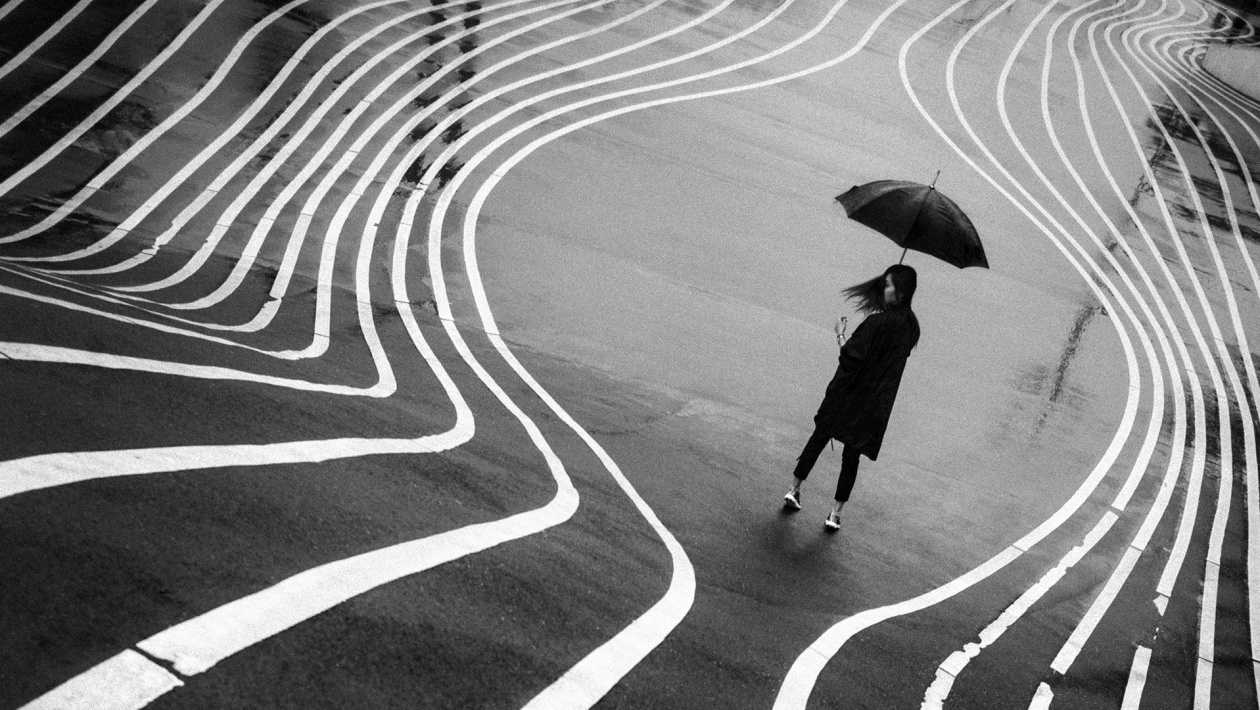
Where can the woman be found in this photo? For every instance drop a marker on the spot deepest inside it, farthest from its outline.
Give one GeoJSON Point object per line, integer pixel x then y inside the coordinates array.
{"type": "Point", "coordinates": [860, 398]}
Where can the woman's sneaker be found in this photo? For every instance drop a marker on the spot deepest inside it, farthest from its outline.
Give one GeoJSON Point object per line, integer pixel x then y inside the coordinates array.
{"type": "Point", "coordinates": [792, 500]}
{"type": "Point", "coordinates": [832, 523]}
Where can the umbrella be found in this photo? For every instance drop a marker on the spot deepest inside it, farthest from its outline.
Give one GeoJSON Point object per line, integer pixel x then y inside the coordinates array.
{"type": "Point", "coordinates": [916, 217]}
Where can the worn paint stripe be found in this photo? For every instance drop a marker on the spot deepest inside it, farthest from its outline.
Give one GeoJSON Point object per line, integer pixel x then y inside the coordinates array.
{"type": "Point", "coordinates": [38, 43]}
{"type": "Point", "coordinates": [126, 681]}
{"type": "Point", "coordinates": [1137, 679]}
{"type": "Point", "coordinates": [111, 103]}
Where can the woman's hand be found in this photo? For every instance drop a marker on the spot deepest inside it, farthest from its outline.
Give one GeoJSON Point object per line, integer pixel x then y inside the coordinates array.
{"type": "Point", "coordinates": [842, 324]}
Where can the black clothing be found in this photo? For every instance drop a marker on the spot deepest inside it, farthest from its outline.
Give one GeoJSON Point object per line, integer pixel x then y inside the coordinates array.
{"type": "Point", "coordinates": [849, 458]}
{"type": "Point", "coordinates": [860, 398]}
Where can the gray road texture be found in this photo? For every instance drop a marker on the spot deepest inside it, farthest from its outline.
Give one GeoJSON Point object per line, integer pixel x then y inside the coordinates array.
{"type": "Point", "coordinates": [588, 256]}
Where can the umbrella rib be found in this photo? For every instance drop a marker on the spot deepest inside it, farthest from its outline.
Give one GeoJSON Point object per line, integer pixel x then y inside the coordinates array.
{"type": "Point", "coordinates": [918, 215]}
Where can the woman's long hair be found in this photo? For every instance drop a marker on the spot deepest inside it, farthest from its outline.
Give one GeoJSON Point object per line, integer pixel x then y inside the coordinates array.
{"type": "Point", "coordinates": [869, 295]}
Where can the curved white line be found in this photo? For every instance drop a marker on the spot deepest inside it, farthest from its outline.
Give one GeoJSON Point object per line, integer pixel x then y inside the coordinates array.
{"type": "Point", "coordinates": [230, 214]}
{"type": "Point", "coordinates": [1207, 618]}
{"type": "Point", "coordinates": [117, 98]}
{"type": "Point", "coordinates": [470, 256]}
{"type": "Point", "coordinates": [290, 257]}
{"type": "Point", "coordinates": [804, 672]}
{"type": "Point", "coordinates": [385, 385]}
{"type": "Point", "coordinates": [324, 281]}
{"type": "Point", "coordinates": [231, 133]}
{"type": "Point", "coordinates": [1221, 96]}
{"type": "Point", "coordinates": [75, 72]}
{"type": "Point", "coordinates": [402, 106]}
{"type": "Point", "coordinates": [955, 663]}
{"type": "Point", "coordinates": [1137, 679]}
{"type": "Point", "coordinates": [321, 335]}
{"type": "Point", "coordinates": [583, 685]}
{"type": "Point", "coordinates": [9, 7]}
{"type": "Point", "coordinates": [197, 644]}
{"type": "Point", "coordinates": [1224, 498]}
{"type": "Point", "coordinates": [39, 42]}
{"type": "Point", "coordinates": [138, 681]}
{"type": "Point", "coordinates": [1120, 574]}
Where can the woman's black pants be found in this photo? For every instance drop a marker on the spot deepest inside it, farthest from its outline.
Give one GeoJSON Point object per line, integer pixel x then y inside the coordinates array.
{"type": "Point", "coordinates": [848, 463]}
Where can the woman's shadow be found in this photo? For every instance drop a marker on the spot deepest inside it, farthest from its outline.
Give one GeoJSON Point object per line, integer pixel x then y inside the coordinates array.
{"type": "Point", "coordinates": [791, 538]}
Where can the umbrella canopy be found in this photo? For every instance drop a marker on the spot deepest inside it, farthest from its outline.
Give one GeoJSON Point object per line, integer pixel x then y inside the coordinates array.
{"type": "Point", "coordinates": [916, 217]}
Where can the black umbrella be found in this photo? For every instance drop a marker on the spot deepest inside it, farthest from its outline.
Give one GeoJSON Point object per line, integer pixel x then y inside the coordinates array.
{"type": "Point", "coordinates": [916, 217]}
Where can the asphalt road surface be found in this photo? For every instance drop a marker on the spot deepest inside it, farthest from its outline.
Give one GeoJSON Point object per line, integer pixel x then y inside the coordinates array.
{"type": "Point", "coordinates": [404, 354]}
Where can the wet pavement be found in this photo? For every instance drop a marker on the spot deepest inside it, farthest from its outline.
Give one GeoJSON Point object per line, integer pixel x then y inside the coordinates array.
{"type": "Point", "coordinates": [458, 354]}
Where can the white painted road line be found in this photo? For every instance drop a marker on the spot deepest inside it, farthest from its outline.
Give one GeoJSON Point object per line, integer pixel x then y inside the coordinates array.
{"type": "Point", "coordinates": [1042, 698]}
{"type": "Point", "coordinates": [1137, 679]}
{"type": "Point", "coordinates": [1207, 609]}
{"type": "Point", "coordinates": [38, 43]}
{"type": "Point", "coordinates": [230, 133]}
{"type": "Point", "coordinates": [200, 643]}
{"type": "Point", "coordinates": [276, 162]}
{"type": "Point", "coordinates": [46, 470]}
{"type": "Point", "coordinates": [77, 70]}
{"type": "Point", "coordinates": [796, 687]}
{"type": "Point", "coordinates": [126, 681]}
{"type": "Point", "coordinates": [1246, 408]}
{"type": "Point", "coordinates": [938, 692]}
{"type": "Point", "coordinates": [1076, 641]}
{"type": "Point", "coordinates": [802, 676]}
{"type": "Point", "coordinates": [196, 645]}
{"type": "Point", "coordinates": [9, 7]}
{"type": "Point", "coordinates": [7, 185]}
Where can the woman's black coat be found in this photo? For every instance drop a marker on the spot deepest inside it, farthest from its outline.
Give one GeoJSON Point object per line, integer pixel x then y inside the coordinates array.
{"type": "Point", "coordinates": [860, 398]}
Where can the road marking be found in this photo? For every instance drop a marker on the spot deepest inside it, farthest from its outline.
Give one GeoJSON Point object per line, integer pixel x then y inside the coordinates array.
{"type": "Point", "coordinates": [1047, 124]}
{"type": "Point", "coordinates": [126, 681]}
{"type": "Point", "coordinates": [801, 677]}
{"type": "Point", "coordinates": [1076, 641]}
{"type": "Point", "coordinates": [804, 672]}
{"type": "Point", "coordinates": [1137, 679]}
{"type": "Point", "coordinates": [492, 331]}
{"type": "Point", "coordinates": [1221, 94]}
{"type": "Point", "coordinates": [46, 470]}
{"type": "Point", "coordinates": [591, 679]}
{"type": "Point", "coordinates": [1104, 599]}
{"type": "Point", "coordinates": [75, 72]}
{"type": "Point", "coordinates": [9, 7]}
{"type": "Point", "coordinates": [274, 163]}
{"type": "Point", "coordinates": [233, 132]}
{"type": "Point", "coordinates": [321, 338]}
{"type": "Point", "coordinates": [1248, 430]}
{"type": "Point", "coordinates": [1207, 618]}
{"type": "Point", "coordinates": [7, 185]}
{"type": "Point", "coordinates": [39, 42]}
{"type": "Point", "coordinates": [1207, 634]}
{"type": "Point", "coordinates": [937, 693]}
{"type": "Point", "coordinates": [1042, 698]}
{"type": "Point", "coordinates": [470, 222]}
{"type": "Point", "coordinates": [198, 644]}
